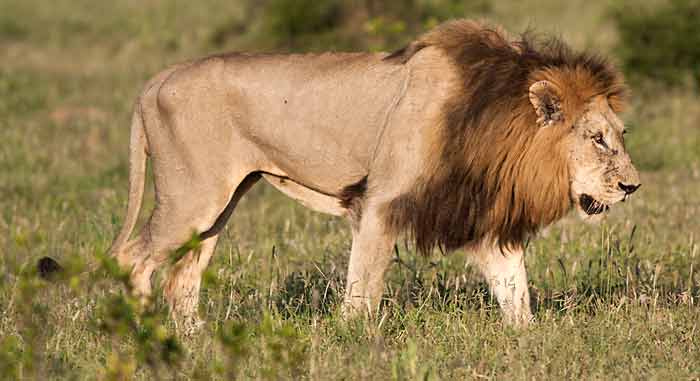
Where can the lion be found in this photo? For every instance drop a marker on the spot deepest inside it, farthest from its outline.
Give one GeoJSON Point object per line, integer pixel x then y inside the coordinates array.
{"type": "Point", "coordinates": [466, 139]}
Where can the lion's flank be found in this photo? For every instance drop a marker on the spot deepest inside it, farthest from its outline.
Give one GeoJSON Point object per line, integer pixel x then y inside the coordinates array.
{"type": "Point", "coordinates": [500, 176]}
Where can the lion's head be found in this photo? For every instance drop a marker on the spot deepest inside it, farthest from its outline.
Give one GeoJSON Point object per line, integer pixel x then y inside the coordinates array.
{"type": "Point", "coordinates": [531, 131]}
{"type": "Point", "coordinates": [600, 170]}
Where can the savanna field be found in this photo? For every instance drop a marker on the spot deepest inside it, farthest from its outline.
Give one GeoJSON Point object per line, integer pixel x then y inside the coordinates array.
{"type": "Point", "coordinates": [620, 300]}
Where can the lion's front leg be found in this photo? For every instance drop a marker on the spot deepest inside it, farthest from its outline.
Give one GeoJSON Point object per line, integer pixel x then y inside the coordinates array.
{"type": "Point", "coordinates": [507, 278]}
{"type": "Point", "coordinates": [369, 259]}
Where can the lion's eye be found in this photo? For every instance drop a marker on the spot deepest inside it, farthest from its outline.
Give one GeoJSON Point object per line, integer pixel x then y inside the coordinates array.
{"type": "Point", "coordinates": [598, 139]}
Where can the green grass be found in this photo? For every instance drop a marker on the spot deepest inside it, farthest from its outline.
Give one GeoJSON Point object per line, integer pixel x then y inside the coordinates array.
{"type": "Point", "coordinates": [618, 300]}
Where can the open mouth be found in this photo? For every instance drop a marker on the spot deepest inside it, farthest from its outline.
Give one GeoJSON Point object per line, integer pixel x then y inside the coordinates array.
{"type": "Point", "coordinates": [591, 206]}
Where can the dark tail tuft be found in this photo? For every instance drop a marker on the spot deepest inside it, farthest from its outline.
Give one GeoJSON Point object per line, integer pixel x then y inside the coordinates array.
{"type": "Point", "coordinates": [48, 268]}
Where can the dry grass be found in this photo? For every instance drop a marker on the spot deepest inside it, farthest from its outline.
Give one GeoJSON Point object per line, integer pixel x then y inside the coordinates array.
{"type": "Point", "coordinates": [618, 300]}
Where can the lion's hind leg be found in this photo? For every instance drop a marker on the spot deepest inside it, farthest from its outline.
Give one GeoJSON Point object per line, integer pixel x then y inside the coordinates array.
{"type": "Point", "coordinates": [132, 256]}
{"type": "Point", "coordinates": [169, 228]}
{"type": "Point", "coordinates": [182, 284]}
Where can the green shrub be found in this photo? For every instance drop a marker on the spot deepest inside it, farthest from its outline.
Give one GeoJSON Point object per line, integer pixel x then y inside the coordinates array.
{"type": "Point", "coordinates": [315, 25]}
{"type": "Point", "coordinates": [290, 19]}
{"type": "Point", "coordinates": [661, 42]}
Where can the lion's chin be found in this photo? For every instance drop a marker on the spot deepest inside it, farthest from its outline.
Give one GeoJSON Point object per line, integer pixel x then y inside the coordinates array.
{"type": "Point", "coordinates": [589, 209]}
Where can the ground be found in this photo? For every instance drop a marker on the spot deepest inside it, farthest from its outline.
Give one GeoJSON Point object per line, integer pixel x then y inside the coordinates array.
{"type": "Point", "coordinates": [617, 300]}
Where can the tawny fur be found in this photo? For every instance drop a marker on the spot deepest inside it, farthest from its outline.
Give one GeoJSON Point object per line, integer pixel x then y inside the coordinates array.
{"type": "Point", "coordinates": [465, 138]}
{"type": "Point", "coordinates": [499, 175]}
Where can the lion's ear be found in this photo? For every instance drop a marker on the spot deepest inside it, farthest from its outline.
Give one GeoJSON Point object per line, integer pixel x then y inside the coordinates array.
{"type": "Point", "coordinates": [545, 100]}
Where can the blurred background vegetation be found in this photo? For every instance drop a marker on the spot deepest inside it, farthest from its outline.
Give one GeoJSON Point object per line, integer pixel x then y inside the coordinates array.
{"type": "Point", "coordinates": [657, 43]}
{"type": "Point", "coordinates": [620, 298]}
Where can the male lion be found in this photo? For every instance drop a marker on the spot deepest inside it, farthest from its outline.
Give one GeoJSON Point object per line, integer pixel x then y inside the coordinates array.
{"type": "Point", "coordinates": [467, 138]}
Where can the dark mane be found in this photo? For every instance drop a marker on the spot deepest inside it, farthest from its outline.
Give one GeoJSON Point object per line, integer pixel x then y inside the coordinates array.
{"type": "Point", "coordinates": [499, 176]}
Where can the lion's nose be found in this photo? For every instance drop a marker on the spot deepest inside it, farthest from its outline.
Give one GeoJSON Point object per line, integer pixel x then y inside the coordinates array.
{"type": "Point", "coordinates": [629, 188]}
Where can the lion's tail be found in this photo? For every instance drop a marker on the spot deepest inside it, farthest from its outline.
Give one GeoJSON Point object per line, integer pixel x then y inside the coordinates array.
{"type": "Point", "coordinates": [47, 267]}
{"type": "Point", "coordinates": [137, 178]}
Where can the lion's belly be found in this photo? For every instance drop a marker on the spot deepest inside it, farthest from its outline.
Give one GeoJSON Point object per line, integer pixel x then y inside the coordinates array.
{"type": "Point", "coordinates": [311, 199]}
{"type": "Point", "coordinates": [315, 119]}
